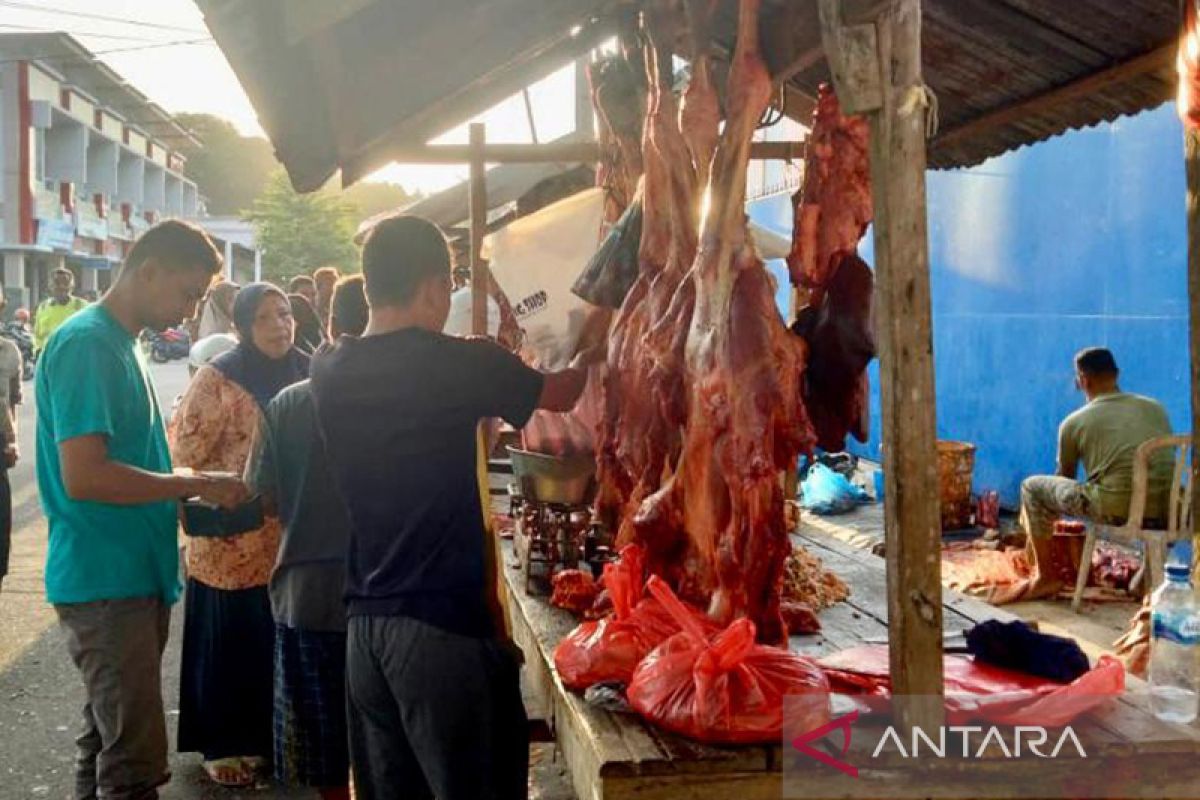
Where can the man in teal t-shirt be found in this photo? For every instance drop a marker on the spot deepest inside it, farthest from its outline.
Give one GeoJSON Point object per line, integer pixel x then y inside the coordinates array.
{"type": "Point", "coordinates": [109, 494]}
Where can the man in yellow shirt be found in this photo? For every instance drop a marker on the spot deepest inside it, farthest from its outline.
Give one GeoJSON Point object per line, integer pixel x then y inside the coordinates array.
{"type": "Point", "coordinates": [56, 309]}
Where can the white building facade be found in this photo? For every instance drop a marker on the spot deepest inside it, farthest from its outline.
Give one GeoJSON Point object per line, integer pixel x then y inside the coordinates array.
{"type": "Point", "coordinates": [88, 163]}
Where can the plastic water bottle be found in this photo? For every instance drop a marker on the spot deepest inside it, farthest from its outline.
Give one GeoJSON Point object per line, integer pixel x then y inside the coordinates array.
{"type": "Point", "coordinates": [1174, 646]}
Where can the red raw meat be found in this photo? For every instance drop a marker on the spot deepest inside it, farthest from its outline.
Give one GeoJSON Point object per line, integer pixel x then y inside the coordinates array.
{"type": "Point", "coordinates": [832, 211]}
{"type": "Point", "coordinates": [716, 529]}
{"type": "Point", "coordinates": [833, 206]}
{"type": "Point", "coordinates": [574, 590]}
{"type": "Point", "coordinates": [643, 404]}
{"type": "Point", "coordinates": [1113, 567]}
{"type": "Point", "coordinates": [610, 649]}
{"type": "Point", "coordinates": [798, 618]}
{"type": "Point", "coordinates": [724, 687]}
{"type": "Point", "coordinates": [975, 690]}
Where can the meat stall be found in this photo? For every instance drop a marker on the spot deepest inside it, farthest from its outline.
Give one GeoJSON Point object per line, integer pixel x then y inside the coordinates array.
{"type": "Point", "coordinates": [711, 396]}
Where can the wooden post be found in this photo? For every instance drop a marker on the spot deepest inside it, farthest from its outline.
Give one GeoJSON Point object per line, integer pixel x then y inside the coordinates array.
{"type": "Point", "coordinates": [1191, 148]}
{"type": "Point", "coordinates": [478, 201]}
{"type": "Point", "coordinates": [877, 70]}
{"type": "Point", "coordinates": [585, 123]}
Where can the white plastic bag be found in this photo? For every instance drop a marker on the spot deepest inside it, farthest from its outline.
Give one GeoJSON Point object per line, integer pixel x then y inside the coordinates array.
{"type": "Point", "coordinates": [535, 261]}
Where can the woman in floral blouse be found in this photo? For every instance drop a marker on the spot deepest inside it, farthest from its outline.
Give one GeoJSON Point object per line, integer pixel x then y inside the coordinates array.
{"type": "Point", "coordinates": [225, 706]}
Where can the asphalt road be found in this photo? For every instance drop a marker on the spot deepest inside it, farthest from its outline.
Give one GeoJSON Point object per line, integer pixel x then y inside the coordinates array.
{"type": "Point", "coordinates": [40, 691]}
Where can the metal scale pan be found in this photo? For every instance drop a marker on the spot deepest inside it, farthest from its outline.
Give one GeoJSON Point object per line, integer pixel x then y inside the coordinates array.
{"type": "Point", "coordinates": [553, 513]}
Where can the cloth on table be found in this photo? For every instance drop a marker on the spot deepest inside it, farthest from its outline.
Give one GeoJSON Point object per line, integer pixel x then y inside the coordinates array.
{"type": "Point", "coordinates": [1016, 645]}
{"type": "Point", "coordinates": [1004, 576]}
{"type": "Point", "coordinates": [979, 691]}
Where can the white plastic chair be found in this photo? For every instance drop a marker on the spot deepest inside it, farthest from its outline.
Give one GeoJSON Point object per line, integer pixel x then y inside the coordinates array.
{"type": "Point", "coordinates": [1154, 541]}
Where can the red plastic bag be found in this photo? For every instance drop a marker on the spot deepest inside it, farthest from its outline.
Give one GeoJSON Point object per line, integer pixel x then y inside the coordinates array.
{"type": "Point", "coordinates": [724, 688]}
{"type": "Point", "coordinates": [981, 691]}
{"type": "Point", "coordinates": [609, 649]}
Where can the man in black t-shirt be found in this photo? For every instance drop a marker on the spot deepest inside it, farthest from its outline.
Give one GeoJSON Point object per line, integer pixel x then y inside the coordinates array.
{"type": "Point", "coordinates": [434, 701]}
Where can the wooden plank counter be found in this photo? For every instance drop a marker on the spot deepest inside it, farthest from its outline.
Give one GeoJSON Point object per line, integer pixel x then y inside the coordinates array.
{"type": "Point", "coordinates": [616, 756]}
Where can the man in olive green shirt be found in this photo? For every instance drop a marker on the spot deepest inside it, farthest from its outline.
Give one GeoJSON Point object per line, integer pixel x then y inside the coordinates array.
{"type": "Point", "coordinates": [1104, 435]}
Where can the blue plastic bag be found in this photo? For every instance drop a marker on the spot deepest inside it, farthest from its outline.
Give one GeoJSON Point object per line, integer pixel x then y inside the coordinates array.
{"type": "Point", "coordinates": [826, 492]}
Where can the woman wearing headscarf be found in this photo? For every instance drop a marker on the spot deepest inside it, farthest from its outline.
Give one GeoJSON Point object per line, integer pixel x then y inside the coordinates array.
{"type": "Point", "coordinates": [310, 333]}
{"type": "Point", "coordinates": [225, 705]}
{"type": "Point", "coordinates": [217, 315]}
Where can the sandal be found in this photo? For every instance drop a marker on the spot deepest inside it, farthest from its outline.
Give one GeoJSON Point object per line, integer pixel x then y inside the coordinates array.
{"type": "Point", "coordinates": [232, 773]}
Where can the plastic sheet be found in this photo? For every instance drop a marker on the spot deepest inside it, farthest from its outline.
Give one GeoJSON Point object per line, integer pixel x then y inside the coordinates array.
{"type": "Point", "coordinates": [610, 649]}
{"type": "Point", "coordinates": [723, 687]}
{"type": "Point", "coordinates": [826, 492]}
{"type": "Point", "coordinates": [977, 691]}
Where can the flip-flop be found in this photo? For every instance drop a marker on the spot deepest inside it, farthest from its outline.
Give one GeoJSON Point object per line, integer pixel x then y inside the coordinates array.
{"type": "Point", "coordinates": [219, 771]}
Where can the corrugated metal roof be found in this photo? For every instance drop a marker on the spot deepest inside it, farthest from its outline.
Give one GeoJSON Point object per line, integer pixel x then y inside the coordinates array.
{"type": "Point", "coordinates": [339, 89]}
{"type": "Point", "coordinates": [984, 56]}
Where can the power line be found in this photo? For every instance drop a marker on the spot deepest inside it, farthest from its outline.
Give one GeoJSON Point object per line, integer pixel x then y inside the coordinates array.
{"type": "Point", "coordinates": [84, 15]}
{"type": "Point", "coordinates": [36, 29]}
{"type": "Point", "coordinates": [84, 60]}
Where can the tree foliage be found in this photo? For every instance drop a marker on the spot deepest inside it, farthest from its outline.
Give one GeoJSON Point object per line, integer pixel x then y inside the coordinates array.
{"type": "Point", "coordinates": [370, 198]}
{"type": "Point", "coordinates": [299, 233]}
{"type": "Point", "coordinates": [229, 169]}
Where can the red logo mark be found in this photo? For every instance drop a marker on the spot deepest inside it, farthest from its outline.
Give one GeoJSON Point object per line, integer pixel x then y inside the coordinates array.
{"type": "Point", "coordinates": [801, 743]}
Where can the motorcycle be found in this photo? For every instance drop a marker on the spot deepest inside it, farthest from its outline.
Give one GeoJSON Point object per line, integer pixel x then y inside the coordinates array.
{"type": "Point", "coordinates": [168, 345]}
{"type": "Point", "coordinates": [19, 335]}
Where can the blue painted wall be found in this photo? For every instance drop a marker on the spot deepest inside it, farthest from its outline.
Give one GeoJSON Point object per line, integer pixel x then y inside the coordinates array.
{"type": "Point", "coordinates": [1077, 241]}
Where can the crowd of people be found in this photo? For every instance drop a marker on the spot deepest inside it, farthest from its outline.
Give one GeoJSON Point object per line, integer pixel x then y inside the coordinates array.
{"type": "Point", "coordinates": [353, 627]}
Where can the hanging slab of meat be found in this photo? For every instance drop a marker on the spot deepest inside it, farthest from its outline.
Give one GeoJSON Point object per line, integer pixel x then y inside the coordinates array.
{"type": "Point", "coordinates": [832, 211]}
{"type": "Point", "coordinates": [639, 438]}
{"type": "Point", "coordinates": [716, 528]}
{"type": "Point", "coordinates": [618, 95]}
{"type": "Point", "coordinates": [833, 206]}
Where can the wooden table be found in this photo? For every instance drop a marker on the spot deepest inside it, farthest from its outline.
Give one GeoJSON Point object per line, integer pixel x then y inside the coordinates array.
{"type": "Point", "coordinates": [615, 756]}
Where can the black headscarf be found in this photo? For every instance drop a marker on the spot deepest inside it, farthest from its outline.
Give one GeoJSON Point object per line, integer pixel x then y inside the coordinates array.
{"type": "Point", "coordinates": [247, 366]}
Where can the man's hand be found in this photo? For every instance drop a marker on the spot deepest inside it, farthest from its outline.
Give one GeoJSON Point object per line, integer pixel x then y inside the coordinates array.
{"type": "Point", "coordinates": [11, 455]}
{"type": "Point", "coordinates": [226, 491]}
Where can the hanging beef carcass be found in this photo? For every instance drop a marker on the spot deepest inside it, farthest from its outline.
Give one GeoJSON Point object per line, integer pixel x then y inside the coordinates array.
{"type": "Point", "coordinates": [640, 434]}
{"type": "Point", "coordinates": [832, 211]}
{"type": "Point", "coordinates": [720, 514]}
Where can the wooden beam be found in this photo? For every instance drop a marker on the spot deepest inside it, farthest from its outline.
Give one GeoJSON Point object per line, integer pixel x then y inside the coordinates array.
{"type": "Point", "coordinates": [911, 510]}
{"type": "Point", "coordinates": [479, 271]}
{"type": "Point", "coordinates": [1161, 57]}
{"type": "Point", "coordinates": [800, 63]}
{"type": "Point", "coordinates": [550, 152]}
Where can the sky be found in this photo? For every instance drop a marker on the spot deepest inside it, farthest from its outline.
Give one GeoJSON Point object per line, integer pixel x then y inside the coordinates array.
{"type": "Point", "coordinates": [164, 49]}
